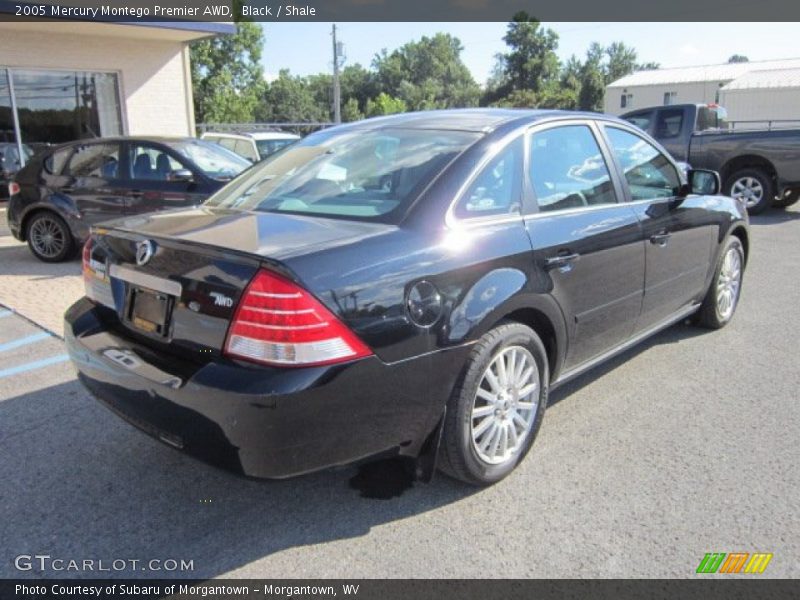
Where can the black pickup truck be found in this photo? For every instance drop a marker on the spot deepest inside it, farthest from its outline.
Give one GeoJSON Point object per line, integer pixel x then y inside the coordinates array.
{"type": "Point", "coordinates": [762, 166]}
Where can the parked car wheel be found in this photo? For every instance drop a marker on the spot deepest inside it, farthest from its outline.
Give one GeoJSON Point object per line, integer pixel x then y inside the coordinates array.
{"type": "Point", "coordinates": [722, 297]}
{"type": "Point", "coordinates": [754, 186]}
{"type": "Point", "coordinates": [49, 238]}
{"type": "Point", "coordinates": [496, 409]}
{"type": "Point", "coordinates": [786, 201]}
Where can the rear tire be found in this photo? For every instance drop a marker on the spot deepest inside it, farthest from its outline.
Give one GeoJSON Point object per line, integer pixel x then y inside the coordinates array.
{"type": "Point", "coordinates": [49, 237]}
{"type": "Point", "coordinates": [497, 406]}
{"type": "Point", "coordinates": [788, 200]}
{"type": "Point", "coordinates": [754, 186]}
{"type": "Point", "coordinates": [722, 296]}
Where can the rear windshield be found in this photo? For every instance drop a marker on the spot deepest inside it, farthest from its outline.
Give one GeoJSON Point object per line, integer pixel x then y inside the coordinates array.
{"type": "Point", "coordinates": [213, 160]}
{"type": "Point", "coordinates": [267, 147]}
{"type": "Point", "coordinates": [363, 175]}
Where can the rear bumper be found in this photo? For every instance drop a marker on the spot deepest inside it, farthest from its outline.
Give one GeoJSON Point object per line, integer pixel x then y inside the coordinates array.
{"type": "Point", "coordinates": [258, 421]}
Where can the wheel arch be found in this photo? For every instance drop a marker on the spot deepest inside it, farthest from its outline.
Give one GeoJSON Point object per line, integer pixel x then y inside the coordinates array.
{"type": "Point", "coordinates": [544, 328]}
{"type": "Point", "coordinates": [747, 161]}
{"type": "Point", "coordinates": [740, 232]}
{"type": "Point", "coordinates": [36, 209]}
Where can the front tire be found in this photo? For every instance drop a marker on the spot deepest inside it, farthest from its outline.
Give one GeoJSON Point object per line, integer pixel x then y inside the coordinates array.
{"type": "Point", "coordinates": [49, 238]}
{"type": "Point", "coordinates": [754, 186]}
{"type": "Point", "coordinates": [722, 297]}
{"type": "Point", "coordinates": [497, 407]}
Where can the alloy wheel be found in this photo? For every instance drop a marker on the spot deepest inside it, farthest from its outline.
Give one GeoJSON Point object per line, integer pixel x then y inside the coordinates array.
{"type": "Point", "coordinates": [48, 237]}
{"type": "Point", "coordinates": [728, 283]}
{"type": "Point", "coordinates": [504, 408]}
{"type": "Point", "coordinates": [748, 189]}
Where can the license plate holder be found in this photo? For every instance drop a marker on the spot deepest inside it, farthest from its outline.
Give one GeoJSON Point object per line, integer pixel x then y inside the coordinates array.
{"type": "Point", "coordinates": [149, 310]}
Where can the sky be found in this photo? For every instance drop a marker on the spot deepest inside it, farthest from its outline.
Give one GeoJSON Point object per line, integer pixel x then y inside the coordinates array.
{"type": "Point", "coordinates": [305, 48]}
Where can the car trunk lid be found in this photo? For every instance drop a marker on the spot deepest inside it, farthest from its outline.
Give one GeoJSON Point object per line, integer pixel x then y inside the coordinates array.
{"type": "Point", "coordinates": [174, 279]}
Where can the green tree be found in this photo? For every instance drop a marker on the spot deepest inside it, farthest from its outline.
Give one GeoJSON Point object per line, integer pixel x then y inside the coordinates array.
{"type": "Point", "coordinates": [621, 61]}
{"type": "Point", "coordinates": [227, 78]}
{"type": "Point", "coordinates": [427, 74]}
{"type": "Point", "coordinates": [357, 83]}
{"type": "Point", "coordinates": [320, 86]}
{"type": "Point", "coordinates": [531, 63]}
{"type": "Point", "coordinates": [592, 78]}
{"type": "Point", "coordinates": [738, 58]}
{"type": "Point", "coordinates": [290, 99]}
{"type": "Point", "coordinates": [648, 66]}
{"type": "Point", "coordinates": [351, 111]}
{"type": "Point", "coordinates": [384, 104]}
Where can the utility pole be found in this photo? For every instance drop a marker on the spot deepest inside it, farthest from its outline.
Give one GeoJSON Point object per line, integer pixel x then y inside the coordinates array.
{"type": "Point", "coordinates": [337, 92]}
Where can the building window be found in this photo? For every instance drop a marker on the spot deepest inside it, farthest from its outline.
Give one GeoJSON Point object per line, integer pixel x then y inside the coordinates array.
{"type": "Point", "coordinates": [626, 100]}
{"type": "Point", "coordinates": [53, 107]}
{"type": "Point", "coordinates": [670, 98]}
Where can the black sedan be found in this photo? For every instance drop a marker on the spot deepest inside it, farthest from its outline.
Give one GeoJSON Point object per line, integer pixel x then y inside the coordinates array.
{"type": "Point", "coordinates": [63, 191]}
{"type": "Point", "coordinates": [412, 285]}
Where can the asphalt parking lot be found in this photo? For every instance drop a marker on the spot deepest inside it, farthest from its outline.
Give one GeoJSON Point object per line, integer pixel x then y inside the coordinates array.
{"type": "Point", "coordinates": [685, 445]}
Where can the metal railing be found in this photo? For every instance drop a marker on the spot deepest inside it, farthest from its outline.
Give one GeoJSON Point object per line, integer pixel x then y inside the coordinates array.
{"type": "Point", "coordinates": [768, 124]}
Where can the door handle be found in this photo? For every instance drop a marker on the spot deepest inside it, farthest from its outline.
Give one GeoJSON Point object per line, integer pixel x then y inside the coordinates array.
{"type": "Point", "coordinates": [660, 239]}
{"type": "Point", "coordinates": [563, 262]}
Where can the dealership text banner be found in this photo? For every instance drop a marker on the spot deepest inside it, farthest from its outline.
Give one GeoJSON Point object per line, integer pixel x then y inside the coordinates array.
{"type": "Point", "coordinates": [394, 10]}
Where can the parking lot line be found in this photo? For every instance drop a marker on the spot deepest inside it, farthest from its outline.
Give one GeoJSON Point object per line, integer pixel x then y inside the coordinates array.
{"type": "Point", "coordinates": [37, 364]}
{"type": "Point", "coordinates": [29, 339]}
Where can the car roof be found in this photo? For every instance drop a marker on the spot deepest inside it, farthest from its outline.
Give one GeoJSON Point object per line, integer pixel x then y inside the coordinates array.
{"type": "Point", "coordinates": [158, 139]}
{"type": "Point", "coordinates": [273, 135]}
{"type": "Point", "coordinates": [470, 119]}
{"type": "Point", "coordinates": [225, 134]}
{"type": "Point", "coordinates": [254, 135]}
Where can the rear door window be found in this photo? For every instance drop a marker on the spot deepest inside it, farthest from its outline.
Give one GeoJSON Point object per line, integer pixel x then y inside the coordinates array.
{"type": "Point", "coordinates": [56, 161]}
{"type": "Point", "coordinates": [642, 120]}
{"type": "Point", "coordinates": [567, 169]}
{"type": "Point", "coordinates": [669, 124]}
{"type": "Point", "coordinates": [151, 163]}
{"type": "Point", "coordinates": [497, 189]}
{"type": "Point", "coordinates": [95, 160]}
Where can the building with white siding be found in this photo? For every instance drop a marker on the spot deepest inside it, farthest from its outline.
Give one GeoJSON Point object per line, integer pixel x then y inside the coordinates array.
{"type": "Point", "coordinates": [758, 91]}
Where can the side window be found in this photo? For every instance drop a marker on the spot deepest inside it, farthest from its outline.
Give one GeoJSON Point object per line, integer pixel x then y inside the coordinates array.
{"type": "Point", "coordinates": [151, 163]}
{"type": "Point", "coordinates": [648, 172]}
{"type": "Point", "coordinates": [641, 120]}
{"type": "Point", "coordinates": [56, 161]}
{"type": "Point", "coordinates": [567, 169]}
{"type": "Point", "coordinates": [669, 123]}
{"type": "Point", "coordinates": [245, 148]}
{"type": "Point", "coordinates": [229, 143]}
{"type": "Point", "coordinates": [95, 160]}
{"type": "Point", "coordinates": [496, 190]}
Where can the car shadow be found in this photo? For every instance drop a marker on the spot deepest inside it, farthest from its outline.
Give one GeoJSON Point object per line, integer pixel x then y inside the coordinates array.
{"type": "Point", "coordinates": [775, 216]}
{"type": "Point", "coordinates": [672, 335]}
{"type": "Point", "coordinates": [81, 483]}
{"type": "Point", "coordinates": [17, 259]}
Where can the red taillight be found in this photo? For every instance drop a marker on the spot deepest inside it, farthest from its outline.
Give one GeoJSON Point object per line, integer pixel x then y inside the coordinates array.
{"type": "Point", "coordinates": [277, 322]}
{"type": "Point", "coordinates": [13, 189]}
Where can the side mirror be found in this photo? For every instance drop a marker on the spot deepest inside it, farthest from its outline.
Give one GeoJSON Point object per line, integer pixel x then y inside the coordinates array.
{"type": "Point", "coordinates": [704, 182]}
{"type": "Point", "coordinates": [181, 175]}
